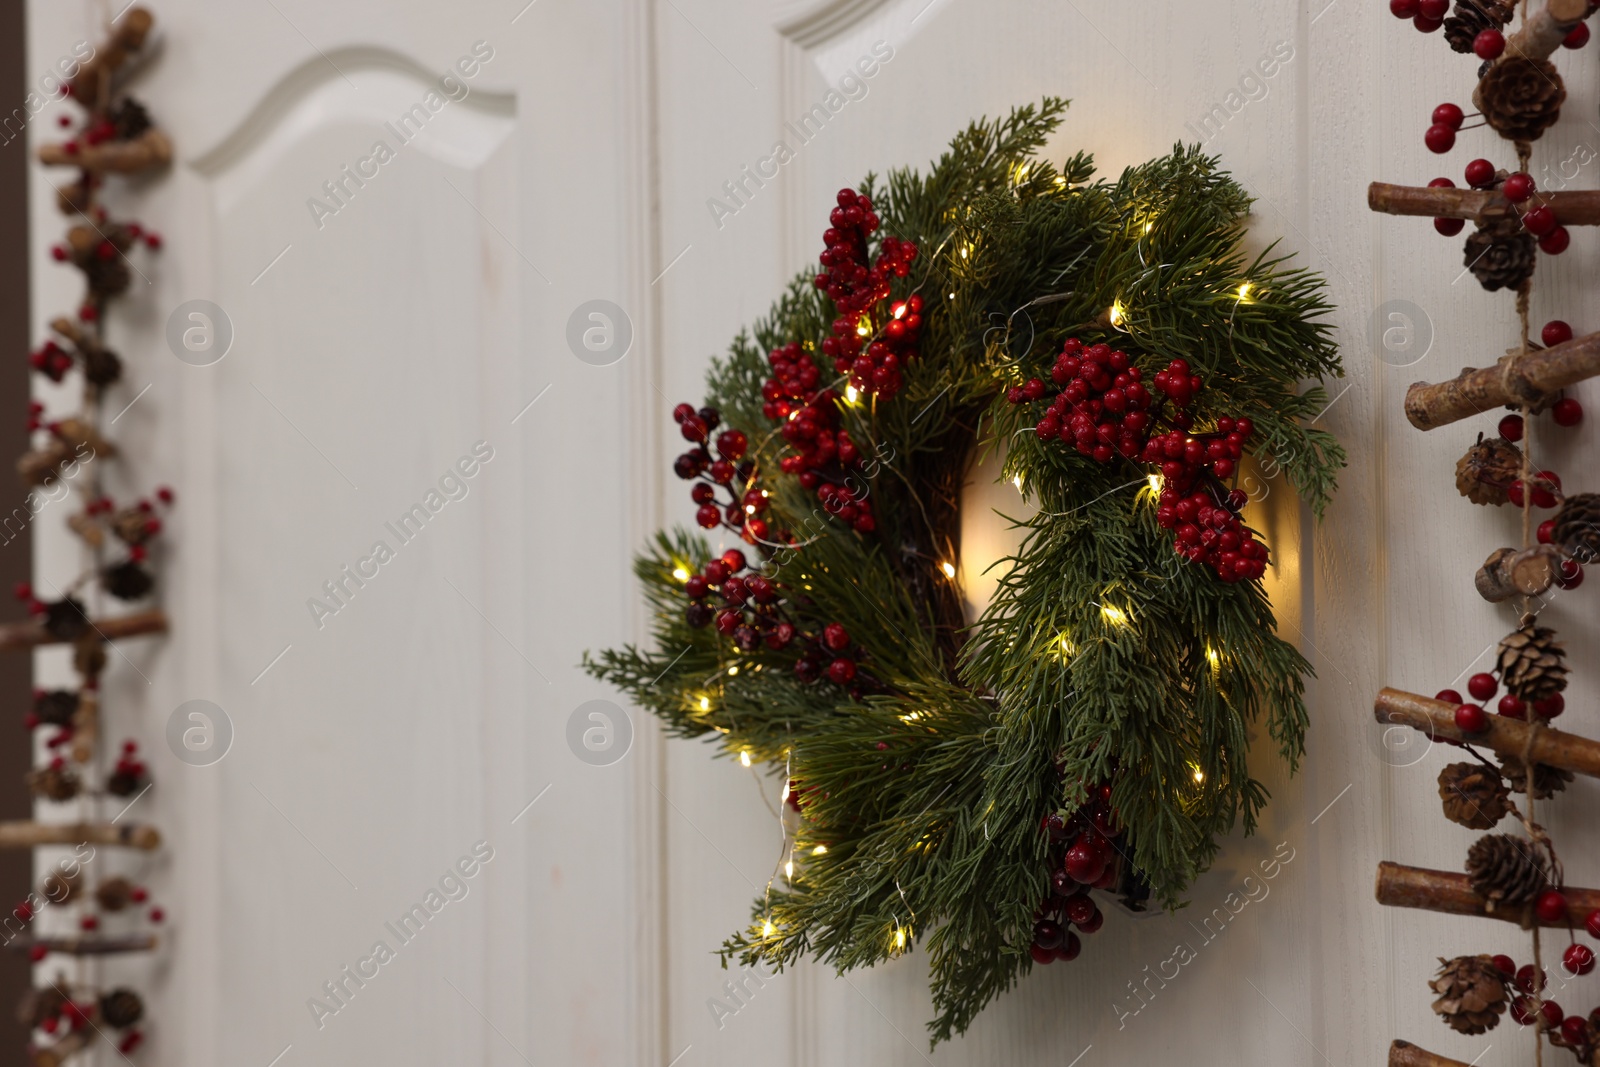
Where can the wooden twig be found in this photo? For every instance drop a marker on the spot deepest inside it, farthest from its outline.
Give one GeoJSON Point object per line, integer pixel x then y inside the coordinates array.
{"type": "Point", "coordinates": [1511, 572]}
{"type": "Point", "coordinates": [25, 635]}
{"type": "Point", "coordinates": [58, 1053]}
{"type": "Point", "coordinates": [1577, 208]}
{"type": "Point", "coordinates": [87, 946]}
{"type": "Point", "coordinates": [32, 834]}
{"type": "Point", "coordinates": [85, 725]}
{"type": "Point", "coordinates": [1405, 1054]}
{"type": "Point", "coordinates": [1504, 736]}
{"type": "Point", "coordinates": [1451, 893]}
{"type": "Point", "coordinates": [94, 77]}
{"type": "Point", "coordinates": [1529, 380]}
{"type": "Point", "coordinates": [1543, 31]}
{"type": "Point", "coordinates": [152, 148]}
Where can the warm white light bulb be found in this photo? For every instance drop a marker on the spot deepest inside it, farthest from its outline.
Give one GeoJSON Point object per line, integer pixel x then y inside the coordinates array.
{"type": "Point", "coordinates": [744, 757]}
{"type": "Point", "coordinates": [949, 569]}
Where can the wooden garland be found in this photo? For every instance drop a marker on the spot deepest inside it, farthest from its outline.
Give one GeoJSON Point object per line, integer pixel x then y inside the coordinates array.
{"type": "Point", "coordinates": [1576, 208]}
{"type": "Point", "coordinates": [20, 636]}
{"type": "Point", "coordinates": [25, 834]}
{"type": "Point", "coordinates": [1504, 736]}
{"type": "Point", "coordinates": [150, 149]}
{"type": "Point", "coordinates": [1528, 379]}
{"type": "Point", "coordinates": [1512, 572]}
{"type": "Point", "coordinates": [1451, 893]}
{"type": "Point", "coordinates": [87, 946]}
{"type": "Point", "coordinates": [1405, 1054]}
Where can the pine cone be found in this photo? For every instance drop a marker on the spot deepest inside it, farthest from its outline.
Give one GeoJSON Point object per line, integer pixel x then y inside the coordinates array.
{"type": "Point", "coordinates": [40, 1005]}
{"type": "Point", "coordinates": [1472, 17]}
{"type": "Point", "coordinates": [1488, 468]}
{"type": "Point", "coordinates": [127, 581]}
{"type": "Point", "coordinates": [1500, 254]}
{"type": "Point", "coordinates": [1507, 870]}
{"type": "Point", "coordinates": [1577, 530]}
{"type": "Point", "coordinates": [1522, 97]}
{"type": "Point", "coordinates": [131, 119]}
{"type": "Point", "coordinates": [1547, 780]}
{"type": "Point", "coordinates": [54, 783]}
{"type": "Point", "coordinates": [126, 781]}
{"type": "Point", "coordinates": [114, 894]}
{"type": "Point", "coordinates": [101, 366]}
{"type": "Point", "coordinates": [121, 1008]}
{"type": "Point", "coordinates": [1473, 795]}
{"type": "Point", "coordinates": [64, 619]}
{"type": "Point", "coordinates": [1472, 993]}
{"type": "Point", "coordinates": [1532, 663]}
{"type": "Point", "coordinates": [55, 707]}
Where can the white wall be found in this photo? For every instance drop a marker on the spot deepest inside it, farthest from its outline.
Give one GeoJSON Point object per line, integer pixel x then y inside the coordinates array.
{"type": "Point", "coordinates": [425, 717]}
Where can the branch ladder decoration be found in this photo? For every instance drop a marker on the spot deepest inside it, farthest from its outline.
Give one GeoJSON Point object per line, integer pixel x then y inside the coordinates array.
{"type": "Point", "coordinates": [1511, 877]}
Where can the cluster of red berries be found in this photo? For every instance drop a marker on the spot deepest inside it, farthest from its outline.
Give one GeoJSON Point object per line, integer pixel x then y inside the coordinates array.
{"type": "Point", "coordinates": [1105, 410]}
{"type": "Point", "coordinates": [52, 361]}
{"type": "Point", "coordinates": [1576, 1031]}
{"type": "Point", "coordinates": [1083, 856]}
{"type": "Point", "coordinates": [1428, 15]}
{"type": "Point", "coordinates": [1518, 188]}
{"type": "Point", "coordinates": [857, 286]}
{"type": "Point", "coordinates": [726, 470]}
{"type": "Point", "coordinates": [1473, 719]}
{"type": "Point", "coordinates": [824, 453]}
{"type": "Point", "coordinates": [748, 608]}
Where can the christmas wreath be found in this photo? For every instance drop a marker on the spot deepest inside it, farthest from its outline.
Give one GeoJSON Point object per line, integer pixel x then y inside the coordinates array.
{"type": "Point", "coordinates": [966, 785]}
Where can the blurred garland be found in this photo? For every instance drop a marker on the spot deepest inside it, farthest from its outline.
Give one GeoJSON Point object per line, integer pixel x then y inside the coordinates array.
{"type": "Point", "coordinates": [1092, 727]}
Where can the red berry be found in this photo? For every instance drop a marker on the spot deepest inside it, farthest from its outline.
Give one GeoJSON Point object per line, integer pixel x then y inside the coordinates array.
{"type": "Point", "coordinates": [1094, 923]}
{"type": "Point", "coordinates": [139, 895]}
{"type": "Point", "coordinates": [1539, 220]}
{"type": "Point", "coordinates": [1551, 906]}
{"type": "Point", "coordinates": [1449, 227]}
{"type": "Point", "coordinates": [709, 516]}
{"type": "Point", "coordinates": [157, 915]}
{"type": "Point", "coordinates": [1480, 172]}
{"type": "Point", "coordinates": [1511, 427]}
{"type": "Point", "coordinates": [1550, 706]}
{"type": "Point", "coordinates": [1578, 37]}
{"type": "Point", "coordinates": [836, 637]}
{"type": "Point", "coordinates": [1439, 139]}
{"type": "Point", "coordinates": [1403, 9]}
{"type": "Point", "coordinates": [1527, 976]}
{"type": "Point", "coordinates": [1433, 9]}
{"type": "Point", "coordinates": [1522, 1010]}
{"type": "Point", "coordinates": [1471, 719]}
{"type": "Point", "coordinates": [1482, 685]}
{"type": "Point", "coordinates": [1069, 949]}
{"type": "Point", "coordinates": [1514, 493]}
{"type": "Point", "coordinates": [734, 560]}
{"type": "Point", "coordinates": [1567, 412]}
{"type": "Point", "coordinates": [1555, 242]}
{"type": "Point", "coordinates": [166, 495]}
{"type": "Point", "coordinates": [1505, 965]}
{"type": "Point", "coordinates": [1518, 187]}
{"type": "Point", "coordinates": [1489, 44]}
{"type": "Point", "coordinates": [1048, 934]}
{"type": "Point", "coordinates": [1553, 1015]}
{"type": "Point", "coordinates": [1570, 575]}
{"type": "Point", "coordinates": [842, 671]}
{"type": "Point", "coordinates": [1441, 183]}
{"type": "Point", "coordinates": [37, 953]}
{"type": "Point", "coordinates": [89, 922]}
{"type": "Point", "coordinates": [1592, 923]}
{"type": "Point", "coordinates": [1084, 862]}
{"type": "Point", "coordinates": [1511, 706]}
{"type": "Point", "coordinates": [1555, 331]}
{"type": "Point", "coordinates": [1080, 909]}
{"type": "Point", "coordinates": [1041, 954]}
{"type": "Point", "coordinates": [1449, 696]}
{"type": "Point", "coordinates": [23, 591]}
{"type": "Point", "coordinates": [1575, 1028]}
{"type": "Point", "coordinates": [1578, 959]}
{"type": "Point", "coordinates": [1448, 115]}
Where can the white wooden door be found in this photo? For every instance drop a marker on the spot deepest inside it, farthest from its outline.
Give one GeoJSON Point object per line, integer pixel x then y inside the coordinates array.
{"type": "Point", "coordinates": [399, 374]}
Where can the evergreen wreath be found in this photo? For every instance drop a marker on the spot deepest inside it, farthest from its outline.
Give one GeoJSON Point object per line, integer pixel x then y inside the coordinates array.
{"type": "Point", "coordinates": [1091, 728]}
